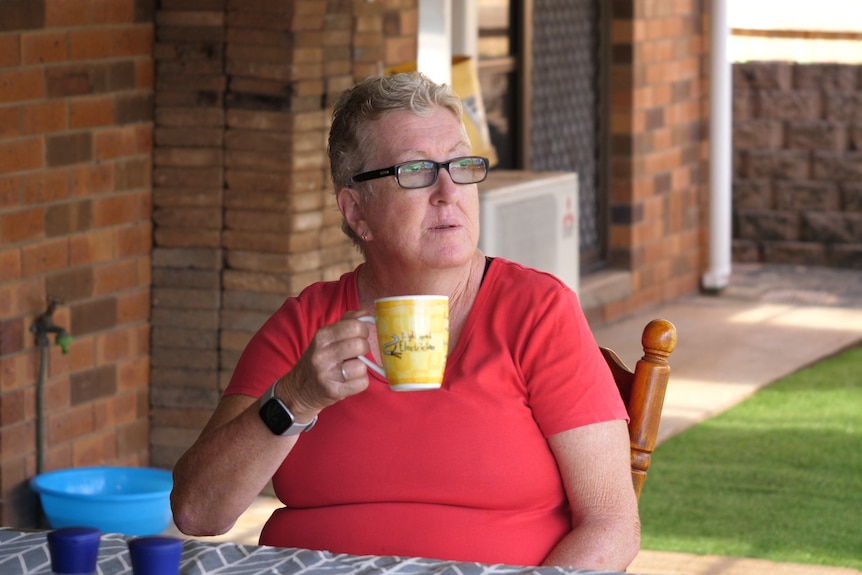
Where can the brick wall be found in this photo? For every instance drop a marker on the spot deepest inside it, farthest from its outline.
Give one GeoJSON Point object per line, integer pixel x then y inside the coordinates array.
{"type": "Point", "coordinates": [658, 112]}
{"type": "Point", "coordinates": [797, 139]}
{"type": "Point", "coordinates": [243, 206]}
{"type": "Point", "coordinates": [75, 226]}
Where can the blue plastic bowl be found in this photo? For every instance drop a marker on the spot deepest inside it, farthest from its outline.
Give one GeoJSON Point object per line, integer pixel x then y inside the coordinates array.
{"type": "Point", "coordinates": [127, 500]}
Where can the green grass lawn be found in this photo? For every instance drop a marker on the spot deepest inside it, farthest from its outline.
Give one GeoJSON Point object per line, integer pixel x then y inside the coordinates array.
{"type": "Point", "coordinates": [778, 477]}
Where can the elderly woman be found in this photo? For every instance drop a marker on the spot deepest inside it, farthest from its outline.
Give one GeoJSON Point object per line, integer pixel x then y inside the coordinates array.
{"type": "Point", "coordinates": [521, 457]}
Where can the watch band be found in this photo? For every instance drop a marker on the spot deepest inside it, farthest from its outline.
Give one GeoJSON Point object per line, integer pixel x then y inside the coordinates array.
{"type": "Point", "coordinates": [278, 418]}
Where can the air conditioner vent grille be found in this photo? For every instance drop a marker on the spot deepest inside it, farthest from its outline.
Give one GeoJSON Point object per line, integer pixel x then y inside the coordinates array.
{"type": "Point", "coordinates": [530, 235]}
{"type": "Point", "coordinates": [532, 218]}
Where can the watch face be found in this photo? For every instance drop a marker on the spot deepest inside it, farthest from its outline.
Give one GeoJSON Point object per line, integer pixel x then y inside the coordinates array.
{"type": "Point", "coordinates": [275, 416]}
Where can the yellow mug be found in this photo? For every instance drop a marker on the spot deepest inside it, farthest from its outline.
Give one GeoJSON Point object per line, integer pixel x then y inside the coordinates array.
{"type": "Point", "coordinates": [413, 335]}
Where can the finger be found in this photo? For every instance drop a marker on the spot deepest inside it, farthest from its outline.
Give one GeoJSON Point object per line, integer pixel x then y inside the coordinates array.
{"type": "Point", "coordinates": [357, 313]}
{"type": "Point", "coordinates": [352, 370]}
{"type": "Point", "coordinates": [355, 378]}
{"type": "Point", "coordinates": [346, 328]}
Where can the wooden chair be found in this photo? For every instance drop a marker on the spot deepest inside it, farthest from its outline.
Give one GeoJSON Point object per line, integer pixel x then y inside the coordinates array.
{"type": "Point", "coordinates": [643, 392]}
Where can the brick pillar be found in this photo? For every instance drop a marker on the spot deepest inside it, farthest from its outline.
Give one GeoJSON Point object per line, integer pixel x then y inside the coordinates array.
{"type": "Point", "coordinates": [658, 148]}
{"type": "Point", "coordinates": [245, 214]}
{"type": "Point", "coordinates": [188, 202]}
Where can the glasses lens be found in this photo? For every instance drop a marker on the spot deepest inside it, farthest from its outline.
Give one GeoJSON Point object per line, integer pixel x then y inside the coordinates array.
{"type": "Point", "coordinates": [469, 170]}
{"type": "Point", "coordinates": [416, 174]}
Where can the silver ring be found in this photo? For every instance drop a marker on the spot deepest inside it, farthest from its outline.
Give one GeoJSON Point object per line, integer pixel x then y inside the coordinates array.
{"type": "Point", "coordinates": [343, 373]}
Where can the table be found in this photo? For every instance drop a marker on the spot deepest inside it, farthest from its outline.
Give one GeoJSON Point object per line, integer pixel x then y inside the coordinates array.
{"type": "Point", "coordinates": [26, 552]}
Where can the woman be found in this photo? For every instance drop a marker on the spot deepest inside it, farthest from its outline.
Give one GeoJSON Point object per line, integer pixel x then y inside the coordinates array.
{"type": "Point", "coordinates": [522, 457]}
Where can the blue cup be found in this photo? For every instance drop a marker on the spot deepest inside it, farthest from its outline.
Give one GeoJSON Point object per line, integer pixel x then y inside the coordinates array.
{"type": "Point", "coordinates": [74, 550]}
{"type": "Point", "coordinates": [156, 555]}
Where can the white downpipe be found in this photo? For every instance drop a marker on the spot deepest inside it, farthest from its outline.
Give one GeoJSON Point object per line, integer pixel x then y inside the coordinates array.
{"type": "Point", "coordinates": [717, 275]}
{"type": "Point", "coordinates": [434, 58]}
{"type": "Point", "coordinates": [465, 28]}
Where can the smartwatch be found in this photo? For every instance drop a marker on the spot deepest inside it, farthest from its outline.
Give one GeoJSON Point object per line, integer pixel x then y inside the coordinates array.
{"type": "Point", "coordinates": [278, 417]}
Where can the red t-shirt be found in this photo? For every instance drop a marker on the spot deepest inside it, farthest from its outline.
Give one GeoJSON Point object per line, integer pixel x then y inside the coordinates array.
{"type": "Point", "coordinates": [460, 473]}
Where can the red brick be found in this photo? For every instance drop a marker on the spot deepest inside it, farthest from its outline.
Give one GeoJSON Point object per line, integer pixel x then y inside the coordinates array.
{"type": "Point", "coordinates": [22, 225]}
{"type": "Point", "coordinates": [90, 43]}
{"type": "Point", "coordinates": [44, 257]}
{"type": "Point", "coordinates": [115, 210]}
{"type": "Point", "coordinates": [133, 107]}
{"type": "Point", "coordinates": [70, 284]}
{"type": "Point", "coordinates": [93, 247]}
{"type": "Point", "coordinates": [10, 50]}
{"type": "Point", "coordinates": [113, 11]}
{"type": "Point", "coordinates": [114, 143]}
{"type": "Point", "coordinates": [134, 241]}
{"type": "Point", "coordinates": [64, 13]}
{"type": "Point", "coordinates": [104, 413]}
{"type": "Point", "coordinates": [187, 157]}
{"type": "Point", "coordinates": [175, 238]}
{"type": "Point", "coordinates": [17, 440]}
{"type": "Point", "coordinates": [69, 148]}
{"type": "Point", "coordinates": [93, 316]}
{"type": "Point", "coordinates": [44, 186]}
{"type": "Point", "coordinates": [134, 373]}
{"type": "Point", "coordinates": [133, 174]}
{"type": "Point", "coordinates": [42, 47]}
{"type": "Point", "coordinates": [43, 117]}
{"type": "Point", "coordinates": [190, 18]}
{"type": "Point", "coordinates": [10, 122]}
{"type": "Point", "coordinates": [10, 192]}
{"type": "Point", "coordinates": [21, 155]}
{"type": "Point", "coordinates": [114, 345]}
{"type": "Point", "coordinates": [96, 449]}
{"type": "Point", "coordinates": [134, 438]}
{"type": "Point", "coordinates": [91, 112]}
{"type": "Point", "coordinates": [190, 137]}
{"type": "Point", "coordinates": [16, 371]}
{"type": "Point", "coordinates": [188, 177]}
{"type": "Point", "coordinates": [63, 219]}
{"type": "Point", "coordinates": [185, 117]}
{"type": "Point", "coordinates": [59, 457]}
{"type": "Point", "coordinates": [187, 198]}
{"type": "Point", "coordinates": [12, 334]}
{"type": "Point", "coordinates": [21, 84]}
{"type": "Point", "coordinates": [75, 80]}
{"type": "Point", "coordinates": [119, 76]}
{"type": "Point", "coordinates": [14, 408]}
{"type": "Point", "coordinates": [144, 138]}
{"type": "Point", "coordinates": [189, 218]}
{"type": "Point", "coordinates": [116, 276]}
{"type": "Point", "coordinates": [133, 307]}
{"type": "Point", "coordinates": [145, 73]}
{"type": "Point", "coordinates": [132, 41]}
{"type": "Point", "coordinates": [10, 266]}
{"type": "Point", "coordinates": [92, 179]}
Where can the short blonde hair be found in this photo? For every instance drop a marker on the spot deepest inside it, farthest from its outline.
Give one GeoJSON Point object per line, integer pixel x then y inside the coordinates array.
{"type": "Point", "coordinates": [350, 145]}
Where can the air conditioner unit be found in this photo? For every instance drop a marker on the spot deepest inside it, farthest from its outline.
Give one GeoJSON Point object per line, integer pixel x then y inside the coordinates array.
{"type": "Point", "coordinates": [532, 218]}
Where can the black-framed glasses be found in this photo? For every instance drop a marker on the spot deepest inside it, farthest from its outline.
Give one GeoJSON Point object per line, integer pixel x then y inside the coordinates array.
{"type": "Point", "coordinates": [423, 173]}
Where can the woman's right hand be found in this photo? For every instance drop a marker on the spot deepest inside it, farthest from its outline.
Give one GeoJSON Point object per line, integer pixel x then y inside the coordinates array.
{"type": "Point", "coordinates": [329, 370]}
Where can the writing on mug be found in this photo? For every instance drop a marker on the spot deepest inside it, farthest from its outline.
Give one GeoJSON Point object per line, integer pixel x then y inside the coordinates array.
{"type": "Point", "coordinates": [408, 342]}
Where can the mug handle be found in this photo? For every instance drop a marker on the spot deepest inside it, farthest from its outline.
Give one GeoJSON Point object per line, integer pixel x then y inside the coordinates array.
{"type": "Point", "coordinates": [369, 363]}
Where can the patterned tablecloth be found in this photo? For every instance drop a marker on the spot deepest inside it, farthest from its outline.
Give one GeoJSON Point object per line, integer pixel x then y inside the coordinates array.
{"type": "Point", "coordinates": [27, 552]}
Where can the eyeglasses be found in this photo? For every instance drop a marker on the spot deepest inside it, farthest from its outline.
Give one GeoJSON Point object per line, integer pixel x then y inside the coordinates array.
{"type": "Point", "coordinates": [423, 173]}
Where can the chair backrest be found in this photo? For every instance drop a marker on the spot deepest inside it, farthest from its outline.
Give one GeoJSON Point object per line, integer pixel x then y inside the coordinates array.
{"type": "Point", "coordinates": [643, 392]}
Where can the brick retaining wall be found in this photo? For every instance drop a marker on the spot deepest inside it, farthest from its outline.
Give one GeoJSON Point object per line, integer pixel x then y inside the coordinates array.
{"type": "Point", "coordinates": [797, 141]}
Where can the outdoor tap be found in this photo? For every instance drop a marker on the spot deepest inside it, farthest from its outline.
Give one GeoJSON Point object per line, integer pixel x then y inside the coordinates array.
{"type": "Point", "coordinates": [45, 325]}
